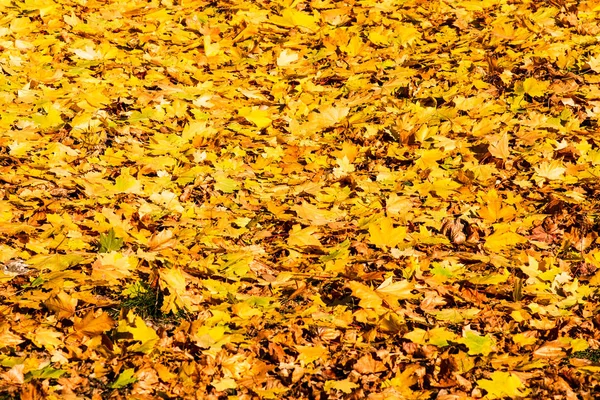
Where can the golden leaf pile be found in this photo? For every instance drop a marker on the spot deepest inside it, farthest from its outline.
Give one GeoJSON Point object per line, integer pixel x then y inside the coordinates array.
{"type": "Point", "coordinates": [310, 199]}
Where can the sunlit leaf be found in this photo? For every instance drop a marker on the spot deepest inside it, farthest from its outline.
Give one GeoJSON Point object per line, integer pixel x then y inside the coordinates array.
{"type": "Point", "coordinates": [136, 330]}
{"type": "Point", "coordinates": [260, 118]}
{"type": "Point", "coordinates": [125, 378]}
{"type": "Point", "coordinates": [500, 240]}
{"type": "Point", "coordinates": [303, 237]}
{"type": "Point", "coordinates": [550, 170]}
{"type": "Point", "coordinates": [503, 384]}
{"type": "Point", "coordinates": [535, 88]}
{"type": "Point", "coordinates": [384, 235]}
{"type": "Point", "coordinates": [345, 386]}
{"type": "Point", "coordinates": [310, 354]}
{"type": "Point", "coordinates": [395, 290]}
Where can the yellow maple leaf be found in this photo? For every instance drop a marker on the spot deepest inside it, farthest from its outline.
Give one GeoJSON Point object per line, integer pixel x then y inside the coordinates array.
{"type": "Point", "coordinates": [210, 49]}
{"type": "Point", "coordinates": [499, 147]}
{"type": "Point", "coordinates": [535, 88]}
{"type": "Point", "coordinates": [161, 240]}
{"type": "Point", "coordinates": [327, 117]}
{"type": "Point", "coordinates": [407, 35]}
{"type": "Point", "coordinates": [354, 47]}
{"type": "Point", "coordinates": [62, 304]}
{"type": "Point", "coordinates": [206, 336]}
{"type": "Point", "coordinates": [112, 267]}
{"type": "Point", "coordinates": [429, 158]}
{"type": "Point", "coordinates": [349, 150]}
{"type": "Point", "coordinates": [259, 117]}
{"type": "Point", "coordinates": [398, 205]}
{"type": "Point", "coordinates": [502, 385]}
{"type": "Point", "coordinates": [594, 64]}
{"type": "Point", "coordinates": [499, 240]}
{"type": "Point", "coordinates": [286, 58]}
{"type": "Point", "coordinates": [178, 297]}
{"type": "Point", "coordinates": [45, 337]}
{"type": "Point", "coordinates": [245, 311]}
{"type": "Point", "coordinates": [303, 237]}
{"type": "Point", "coordinates": [309, 354]}
{"type": "Point", "coordinates": [392, 291]}
{"type": "Point", "coordinates": [291, 18]}
{"type": "Point", "coordinates": [436, 336]}
{"type": "Point", "coordinates": [344, 168]}
{"type": "Point", "coordinates": [88, 53]}
{"type": "Point", "coordinates": [492, 209]}
{"type": "Point", "coordinates": [93, 323]}
{"type": "Point", "coordinates": [313, 215]}
{"type": "Point", "coordinates": [380, 36]}
{"type": "Point", "coordinates": [345, 386]}
{"type": "Point", "coordinates": [443, 188]}
{"type": "Point", "coordinates": [51, 118]}
{"type": "Point", "coordinates": [167, 199]}
{"type": "Point", "coordinates": [368, 297]}
{"type": "Point", "coordinates": [144, 335]}
{"type": "Point", "coordinates": [8, 338]}
{"type": "Point", "coordinates": [125, 183]}
{"type": "Point", "coordinates": [552, 170]}
{"type": "Point", "coordinates": [476, 343]}
{"type": "Point", "coordinates": [96, 98]}
{"type": "Point", "coordinates": [404, 379]}
{"type": "Point", "coordinates": [224, 384]}
{"type": "Point", "coordinates": [383, 234]}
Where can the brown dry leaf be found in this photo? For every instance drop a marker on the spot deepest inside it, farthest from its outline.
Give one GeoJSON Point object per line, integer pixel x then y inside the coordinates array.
{"type": "Point", "coordinates": [94, 323]}
{"type": "Point", "coordinates": [8, 338]}
{"type": "Point", "coordinates": [368, 365]}
{"type": "Point", "coordinates": [62, 304]}
{"type": "Point", "coordinates": [431, 301]}
{"type": "Point", "coordinates": [551, 350]}
{"type": "Point", "coordinates": [454, 229]}
{"type": "Point", "coordinates": [161, 240]}
{"type": "Point", "coordinates": [14, 376]}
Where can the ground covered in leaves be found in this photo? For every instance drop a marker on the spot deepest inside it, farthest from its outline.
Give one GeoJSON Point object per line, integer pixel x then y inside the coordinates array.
{"type": "Point", "coordinates": [307, 199]}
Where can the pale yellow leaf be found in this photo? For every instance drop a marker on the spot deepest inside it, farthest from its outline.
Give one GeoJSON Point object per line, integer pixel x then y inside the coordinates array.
{"type": "Point", "coordinates": [499, 147]}
{"type": "Point", "coordinates": [313, 215]}
{"type": "Point", "coordinates": [303, 237]}
{"type": "Point", "coordinates": [535, 88]}
{"type": "Point", "coordinates": [397, 290]}
{"type": "Point", "coordinates": [499, 240]}
{"type": "Point", "coordinates": [552, 170]}
{"type": "Point", "coordinates": [259, 117]}
{"type": "Point", "coordinates": [286, 57]}
{"type": "Point", "coordinates": [383, 234]}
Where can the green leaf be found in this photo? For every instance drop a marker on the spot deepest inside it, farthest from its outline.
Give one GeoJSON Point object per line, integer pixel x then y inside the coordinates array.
{"type": "Point", "coordinates": [46, 373]}
{"type": "Point", "coordinates": [478, 344]}
{"type": "Point", "coordinates": [127, 377]}
{"type": "Point", "coordinates": [109, 242]}
{"type": "Point", "coordinates": [489, 279]}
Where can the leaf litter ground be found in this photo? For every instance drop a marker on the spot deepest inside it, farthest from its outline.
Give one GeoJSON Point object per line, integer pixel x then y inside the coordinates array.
{"type": "Point", "coordinates": [321, 200]}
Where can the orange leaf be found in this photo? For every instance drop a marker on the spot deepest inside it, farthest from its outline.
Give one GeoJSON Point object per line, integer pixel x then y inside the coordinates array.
{"type": "Point", "coordinates": [62, 304]}
{"type": "Point", "coordinates": [92, 324]}
{"type": "Point", "coordinates": [367, 365]}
